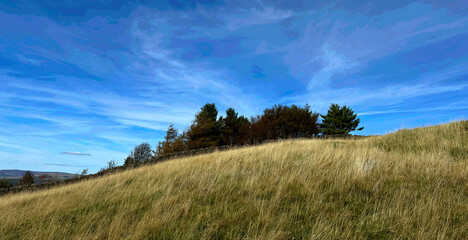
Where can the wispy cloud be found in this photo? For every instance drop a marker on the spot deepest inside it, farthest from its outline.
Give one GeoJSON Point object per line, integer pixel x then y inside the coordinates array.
{"type": "Point", "coordinates": [332, 63]}
{"type": "Point", "coordinates": [64, 165]}
{"type": "Point", "coordinates": [330, 46]}
{"type": "Point", "coordinates": [106, 82]}
{"type": "Point", "coordinates": [255, 17]}
{"type": "Point", "coordinates": [76, 153]}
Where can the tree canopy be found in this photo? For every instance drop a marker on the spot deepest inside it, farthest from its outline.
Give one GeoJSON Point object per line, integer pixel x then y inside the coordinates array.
{"type": "Point", "coordinates": [278, 122]}
{"type": "Point", "coordinates": [205, 130]}
{"type": "Point", "coordinates": [232, 125]}
{"type": "Point", "coordinates": [339, 121]}
{"type": "Point", "coordinates": [209, 130]}
{"type": "Point", "coordinates": [140, 154]}
{"type": "Point", "coordinates": [281, 122]}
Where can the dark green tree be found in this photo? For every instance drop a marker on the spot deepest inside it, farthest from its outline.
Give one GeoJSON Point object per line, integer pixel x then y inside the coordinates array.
{"type": "Point", "coordinates": [205, 130]}
{"type": "Point", "coordinates": [27, 179]}
{"type": "Point", "coordinates": [232, 127]}
{"type": "Point", "coordinates": [5, 184]}
{"type": "Point", "coordinates": [208, 111]}
{"type": "Point", "coordinates": [339, 121]}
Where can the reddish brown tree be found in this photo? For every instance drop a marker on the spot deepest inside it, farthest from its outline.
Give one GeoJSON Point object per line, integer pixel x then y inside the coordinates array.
{"type": "Point", "coordinates": [27, 179]}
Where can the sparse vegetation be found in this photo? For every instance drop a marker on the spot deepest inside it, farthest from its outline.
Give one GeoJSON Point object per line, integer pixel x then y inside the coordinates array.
{"type": "Point", "coordinates": [412, 184]}
{"type": "Point", "coordinates": [110, 166]}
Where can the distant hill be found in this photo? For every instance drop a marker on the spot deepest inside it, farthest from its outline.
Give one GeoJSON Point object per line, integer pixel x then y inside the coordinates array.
{"type": "Point", "coordinates": [412, 184]}
{"type": "Point", "coordinates": [14, 175]}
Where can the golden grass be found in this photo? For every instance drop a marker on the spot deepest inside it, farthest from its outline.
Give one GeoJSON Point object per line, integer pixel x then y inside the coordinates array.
{"type": "Point", "coordinates": [412, 184]}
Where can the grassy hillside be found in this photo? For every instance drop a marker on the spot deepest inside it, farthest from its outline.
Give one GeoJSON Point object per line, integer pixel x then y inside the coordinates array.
{"type": "Point", "coordinates": [412, 184]}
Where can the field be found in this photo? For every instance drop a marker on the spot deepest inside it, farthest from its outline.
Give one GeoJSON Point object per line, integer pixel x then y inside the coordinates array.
{"type": "Point", "coordinates": [412, 184]}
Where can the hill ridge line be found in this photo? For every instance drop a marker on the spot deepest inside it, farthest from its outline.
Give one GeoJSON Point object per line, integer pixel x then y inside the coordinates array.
{"type": "Point", "coordinates": [182, 154]}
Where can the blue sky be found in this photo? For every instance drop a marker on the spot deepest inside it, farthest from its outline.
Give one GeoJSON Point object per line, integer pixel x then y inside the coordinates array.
{"type": "Point", "coordinates": [82, 82]}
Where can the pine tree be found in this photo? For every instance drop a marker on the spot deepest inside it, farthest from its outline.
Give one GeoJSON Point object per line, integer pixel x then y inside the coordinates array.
{"type": "Point", "coordinates": [205, 130]}
{"type": "Point", "coordinates": [339, 121]}
{"type": "Point", "coordinates": [208, 111]}
{"type": "Point", "coordinates": [172, 143]}
{"type": "Point", "coordinates": [171, 134]}
{"type": "Point", "coordinates": [230, 127]}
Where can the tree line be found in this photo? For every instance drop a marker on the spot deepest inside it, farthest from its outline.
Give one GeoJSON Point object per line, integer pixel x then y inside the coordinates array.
{"type": "Point", "coordinates": [278, 122]}
{"type": "Point", "coordinates": [209, 130]}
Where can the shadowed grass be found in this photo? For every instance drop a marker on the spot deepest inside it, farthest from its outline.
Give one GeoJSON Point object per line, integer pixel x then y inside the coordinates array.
{"type": "Point", "coordinates": [412, 184]}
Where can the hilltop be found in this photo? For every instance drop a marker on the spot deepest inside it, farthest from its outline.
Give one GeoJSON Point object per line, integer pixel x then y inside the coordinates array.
{"type": "Point", "coordinates": [412, 184]}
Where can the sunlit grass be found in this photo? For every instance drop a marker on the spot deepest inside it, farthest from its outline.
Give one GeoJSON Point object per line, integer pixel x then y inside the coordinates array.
{"type": "Point", "coordinates": [412, 184]}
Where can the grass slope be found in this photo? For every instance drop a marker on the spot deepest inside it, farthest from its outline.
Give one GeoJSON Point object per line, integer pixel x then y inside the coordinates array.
{"type": "Point", "coordinates": [412, 184]}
